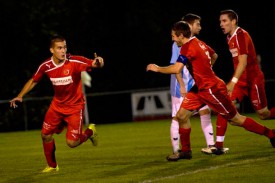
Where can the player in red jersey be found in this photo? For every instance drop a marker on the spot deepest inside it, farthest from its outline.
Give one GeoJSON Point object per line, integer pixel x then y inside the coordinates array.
{"type": "Point", "coordinates": [67, 106]}
{"type": "Point", "coordinates": [210, 90]}
{"type": "Point", "coordinates": [248, 78]}
{"type": "Point", "coordinates": [181, 84]}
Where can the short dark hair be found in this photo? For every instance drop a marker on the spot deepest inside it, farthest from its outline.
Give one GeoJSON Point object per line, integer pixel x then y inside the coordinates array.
{"type": "Point", "coordinates": [231, 14]}
{"type": "Point", "coordinates": [190, 18]}
{"type": "Point", "coordinates": [56, 38]}
{"type": "Point", "coordinates": [182, 27]}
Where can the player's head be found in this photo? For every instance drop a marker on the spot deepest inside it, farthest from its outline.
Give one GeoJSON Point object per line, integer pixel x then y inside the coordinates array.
{"type": "Point", "coordinates": [228, 21]}
{"type": "Point", "coordinates": [180, 31]}
{"type": "Point", "coordinates": [232, 15]}
{"type": "Point", "coordinates": [56, 38]}
{"type": "Point", "coordinates": [58, 47]}
{"type": "Point", "coordinates": [194, 21]}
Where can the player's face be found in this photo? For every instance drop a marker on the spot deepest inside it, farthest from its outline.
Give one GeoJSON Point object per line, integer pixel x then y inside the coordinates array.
{"type": "Point", "coordinates": [176, 39]}
{"type": "Point", "coordinates": [195, 27]}
{"type": "Point", "coordinates": [59, 51]}
{"type": "Point", "coordinates": [226, 24]}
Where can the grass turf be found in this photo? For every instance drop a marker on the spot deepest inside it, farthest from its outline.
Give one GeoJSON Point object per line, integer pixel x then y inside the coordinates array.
{"type": "Point", "coordinates": [136, 152]}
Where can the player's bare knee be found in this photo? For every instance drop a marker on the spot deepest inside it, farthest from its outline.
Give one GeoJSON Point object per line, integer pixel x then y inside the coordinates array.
{"type": "Point", "coordinates": [46, 138]}
{"type": "Point", "coordinates": [237, 120]}
{"type": "Point", "coordinates": [72, 144]}
{"type": "Point", "coordinates": [204, 111]}
{"type": "Point", "coordinates": [263, 113]}
{"type": "Point", "coordinates": [182, 118]}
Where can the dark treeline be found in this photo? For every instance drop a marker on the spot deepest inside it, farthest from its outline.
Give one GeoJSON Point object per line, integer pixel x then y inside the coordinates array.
{"type": "Point", "coordinates": [128, 36]}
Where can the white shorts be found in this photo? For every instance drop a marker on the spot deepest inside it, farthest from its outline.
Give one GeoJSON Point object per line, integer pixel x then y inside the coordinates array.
{"type": "Point", "coordinates": [176, 102]}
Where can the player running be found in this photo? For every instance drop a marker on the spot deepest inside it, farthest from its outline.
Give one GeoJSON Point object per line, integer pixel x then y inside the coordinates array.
{"type": "Point", "coordinates": [67, 106]}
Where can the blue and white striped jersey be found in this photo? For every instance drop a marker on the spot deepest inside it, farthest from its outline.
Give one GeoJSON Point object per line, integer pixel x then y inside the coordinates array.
{"type": "Point", "coordinates": [186, 76]}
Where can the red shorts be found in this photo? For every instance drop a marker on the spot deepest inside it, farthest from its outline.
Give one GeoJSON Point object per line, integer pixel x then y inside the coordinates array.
{"type": "Point", "coordinates": [238, 93]}
{"type": "Point", "coordinates": [256, 92]}
{"type": "Point", "coordinates": [216, 98]}
{"type": "Point", "coordinates": [55, 122]}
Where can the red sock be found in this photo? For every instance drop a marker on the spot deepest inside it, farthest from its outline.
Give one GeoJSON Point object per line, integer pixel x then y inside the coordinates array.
{"type": "Point", "coordinates": [49, 151]}
{"type": "Point", "coordinates": [185, 139]}
{"type": "Point", "coordinates": [272, 113]}
{"type": "Point", "coordinates": [221, 127]}
{"type": "Point", "coordinates": [84, 137]}
{"type": "Point", "coordinates": [252, 126]}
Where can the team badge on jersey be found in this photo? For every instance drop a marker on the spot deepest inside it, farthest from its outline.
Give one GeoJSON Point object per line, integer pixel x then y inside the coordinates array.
{"type": "Point", "coordinates": [66, 72]}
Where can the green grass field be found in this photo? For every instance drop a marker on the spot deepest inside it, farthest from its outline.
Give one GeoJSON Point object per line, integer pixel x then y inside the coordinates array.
{"type": "Point", "coordinates": [136, 152]}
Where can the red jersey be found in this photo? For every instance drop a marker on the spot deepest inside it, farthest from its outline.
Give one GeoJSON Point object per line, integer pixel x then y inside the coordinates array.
{"type": "Point", "coordinates": [241, 43]}
{"type": "Point", "coordinates": [66, 81]}
{"type": "Point", "coordinates": [195, 54]}
{"type": "Point", "coordinates": [212, 91]}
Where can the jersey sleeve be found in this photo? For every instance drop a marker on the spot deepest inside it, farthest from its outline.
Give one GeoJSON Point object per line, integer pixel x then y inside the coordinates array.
{"type": "Point", "coordinates": [84, 64]}
{"type": "Point", "coordinates": [37, 76]}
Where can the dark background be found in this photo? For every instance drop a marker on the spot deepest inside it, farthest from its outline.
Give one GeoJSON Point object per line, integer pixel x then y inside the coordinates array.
{"type": "Point", "coordinates": [128, 35]}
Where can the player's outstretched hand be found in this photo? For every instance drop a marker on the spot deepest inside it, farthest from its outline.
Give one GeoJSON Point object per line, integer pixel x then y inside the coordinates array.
{"type": "Point", "coordinates": [13, 102]}
{"type": "Point", "coordinates": [152, 67]}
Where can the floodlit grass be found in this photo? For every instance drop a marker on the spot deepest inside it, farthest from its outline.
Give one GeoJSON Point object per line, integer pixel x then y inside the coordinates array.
{"type": "Point", "coordinates": [136, 152]}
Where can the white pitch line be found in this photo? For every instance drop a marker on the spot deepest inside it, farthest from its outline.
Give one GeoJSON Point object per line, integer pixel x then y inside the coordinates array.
{"type": "Point", "coordinates": [203, 170]}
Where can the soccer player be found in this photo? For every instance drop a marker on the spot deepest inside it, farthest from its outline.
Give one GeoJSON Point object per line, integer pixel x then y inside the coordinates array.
{"type": "Point", "coordinates": [180, 84]}
{"type": "Point", "coordinates": [248, 78]}
{"type": "Point", "coordinates": [67, 106]}
{"type": "Point", "coordinates": [209, 89]}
